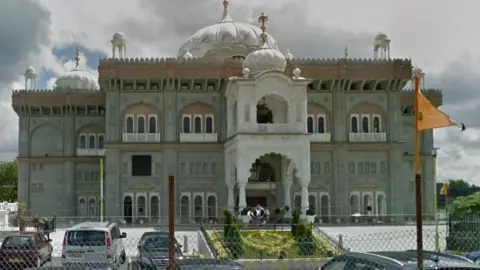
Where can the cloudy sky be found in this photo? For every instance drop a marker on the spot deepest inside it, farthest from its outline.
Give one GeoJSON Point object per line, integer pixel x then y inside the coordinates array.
{"type": "Point", "coordinates": [435, 34]}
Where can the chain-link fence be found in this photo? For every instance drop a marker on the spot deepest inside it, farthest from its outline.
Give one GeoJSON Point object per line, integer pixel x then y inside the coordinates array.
{"type": "Point", "coordinates": [235, 245]}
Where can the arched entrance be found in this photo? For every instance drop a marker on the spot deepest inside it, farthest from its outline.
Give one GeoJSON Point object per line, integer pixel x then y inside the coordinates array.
{"type": "Point", "coordinates": [128, 209]}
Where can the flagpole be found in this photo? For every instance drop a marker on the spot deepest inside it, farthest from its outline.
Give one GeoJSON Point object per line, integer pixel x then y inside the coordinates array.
{"type": "Point", "coordinates": [437, 236]}
{"type": "Point", "coordinates": [101, 190]}
{"type": "Point", "coordinates": [418, 177]}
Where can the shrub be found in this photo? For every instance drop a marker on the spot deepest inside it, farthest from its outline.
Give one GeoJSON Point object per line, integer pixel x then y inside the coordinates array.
{"type": "Point", "coordinates": [245, 211]}
{"type": "Point", "coordinates": [295, 222]}
{"type": "Point", "coordinates": [231, 235]}
{"type": "Point", "coordinates": [278, 211]}
{"type": "Point", "coordinates": [286, 208]}
{"type": "Point", "coordinates": [310, 211]}
{"type": "Point", "coordinates": [305, 240]}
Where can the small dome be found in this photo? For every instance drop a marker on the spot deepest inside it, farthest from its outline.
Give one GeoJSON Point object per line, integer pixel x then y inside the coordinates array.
{"type": "Point", "coordinates": [119, 35]}
{"type": "Point", "coordinates": [381, 37]}
{"type": "Point", "coordinates": [77, 79]}
{"type": "Point", "coordinates": [119, 38]}
{"type": "Point", "coordinates": [265, 59]}
{"type": "Point", "coordinates": [417, 71]}
{"type": "Point", "coordinates": [289, 55]}
{"type": "Point", "coordinates": [30, 71]}
{"type": "Point", "coordinates": [187, 56]}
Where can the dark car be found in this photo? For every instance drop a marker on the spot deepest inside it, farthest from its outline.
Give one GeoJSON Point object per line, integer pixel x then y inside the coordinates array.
{"type": "Point", "coordinates": [200, 264]}
{"type": "Point", "coordinates": [474, 256]}
{"type": "Point", "coordinates": [153, 248]}
{"type": "Point", "coordinates": [399, 260]}
{"type": "Point", "coordinates": [25, 249]}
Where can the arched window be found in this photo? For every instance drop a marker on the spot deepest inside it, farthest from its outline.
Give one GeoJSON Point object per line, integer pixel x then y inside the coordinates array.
{"type": "Point", "coordinates": [141, 124]}
{"type": "Point", "coordinates": [376, 124]}
{"type": "Point", "coordinates": [209, 124]}
{"type": "Point", "coordinates": [186, 124]}
{"type": "Point", "coordinates": [83, 141]}
{"type": "Point", "coordinates": [82, 207]}
{"type": "Point", "coordinates": [198, 124]}
{"type": "Point", "coordinates": [91, 141]}
{"type": "Point", "coordinates": [321, 124]}
{"type": "Point", "coordinates": [365, 124]}
{"type": "Point", "coordinates": [310, 124]}
{"type": "Point", "coordinates": [152, 124]}
{"type": "Point", "coordinates": [101, 141]}
{"type": "Point", "coordinates": [129, 124]}
{"type": "Point", "coordinates": [354, 124]}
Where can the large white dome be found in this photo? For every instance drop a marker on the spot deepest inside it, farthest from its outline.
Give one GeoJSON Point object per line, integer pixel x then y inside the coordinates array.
{"type": "Point", "coordinates": [77, 79]}
{"type": "Point", "coordinates": [224, 39]}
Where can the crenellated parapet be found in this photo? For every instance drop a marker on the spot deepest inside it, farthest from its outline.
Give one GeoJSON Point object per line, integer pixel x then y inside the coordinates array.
{"type": "Point", "coordinates": [434, 95]}
{"type": "Point", "coordinates": [42, 91]}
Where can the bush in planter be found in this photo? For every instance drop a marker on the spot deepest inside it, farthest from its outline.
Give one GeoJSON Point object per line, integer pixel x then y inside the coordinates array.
{"type": "Point", "coordinates": [304, 238]}
{"type": "Point", "coordinates": [286, 208]}
{"type": "Point", "coordinates": [295, 222]}
{"type": "Point", "coordinates": [231, 235]}
{"type": "Point", "coordinates": [278, 211]}
{"type": "Point", "coordinates": [310, 211]}
{"type": "Point", "coordinates": [21, 212]}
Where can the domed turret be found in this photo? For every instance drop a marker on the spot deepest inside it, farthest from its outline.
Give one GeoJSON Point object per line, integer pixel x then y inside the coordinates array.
{"type": "Point", "coordinates": [265, 58]}
{"type": "Point", "coordinates": [119, 43]}
{"type": "Point", "coordinates": [30, 78]}
{"type": "Point", "coordinates": [224, 39]}
{"type": "Point", "coordinates": [77, 79]}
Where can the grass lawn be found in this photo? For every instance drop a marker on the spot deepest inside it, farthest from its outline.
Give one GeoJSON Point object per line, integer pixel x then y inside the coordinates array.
{"type": "Point", "coordinates": [267, 244]}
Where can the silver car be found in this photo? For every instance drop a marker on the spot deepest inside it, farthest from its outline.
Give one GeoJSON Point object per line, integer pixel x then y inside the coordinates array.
{"type": "Point", "coordinates": [95, 245]}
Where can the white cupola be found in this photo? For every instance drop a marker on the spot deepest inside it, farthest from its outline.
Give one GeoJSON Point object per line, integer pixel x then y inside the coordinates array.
{"type": "Point", "coordinates": [77, 79]}
{"type": "Point", "coordinates": [265, 58]}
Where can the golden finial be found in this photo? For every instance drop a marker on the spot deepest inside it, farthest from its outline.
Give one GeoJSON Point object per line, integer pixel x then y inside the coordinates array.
{"type": "Point", "coordinates": [345, 53]}
{"type": "Point", "coordinates": [225, 4]}
{"type": "Point", "coordinates": [77, 58]}
{"type": "Point", "coordinates": [263, 19]}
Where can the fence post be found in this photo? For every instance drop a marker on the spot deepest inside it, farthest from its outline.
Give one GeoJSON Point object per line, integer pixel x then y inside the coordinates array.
{"type": "Point", "coordinates": [340, 241]}
{"type": "Point", "coordinates": [185, 244]}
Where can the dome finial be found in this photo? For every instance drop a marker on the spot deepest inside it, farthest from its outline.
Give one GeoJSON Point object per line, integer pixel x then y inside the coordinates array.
{"type": "Point", "coordinates": [225, 4]}
{"type": "Point", "coordinates": [77, 58]}
{"type": "Point", "coordinates": [263, 19]}
{"type": "Point", "coordinates": [226, 16]}
{"type": "Point", "coordinates": [345, 53]}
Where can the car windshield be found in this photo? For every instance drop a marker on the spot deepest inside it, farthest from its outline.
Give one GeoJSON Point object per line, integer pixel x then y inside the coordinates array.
{"type": "Point", "coordinates": [86, 238]}
{"type": "Point", "coordinates": [156, 242]}
{"type": "Point", "coordinates": [17, 241]}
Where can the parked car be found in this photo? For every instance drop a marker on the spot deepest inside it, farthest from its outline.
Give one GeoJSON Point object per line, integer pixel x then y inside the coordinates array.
{"type": "Point", "coordinates": [153, 249]}
{"type": "Point", "coordinates": [25, 249]}
{"type": "Point", "coordinates": [398, 260]}
{"type": "Point", "coordinates": [94, 244]}
{"type": "Point", "coordinates": [474, 256]}
{"type": "Point", "coordinates": [196, 264]}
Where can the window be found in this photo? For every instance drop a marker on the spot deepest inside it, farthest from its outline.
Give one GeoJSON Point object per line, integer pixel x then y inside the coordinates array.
{"type": "Point", "coordinates": [152, 124]}
{"type": "Point", "coordinates": [214, 168]}
{"type": "Point", "coordinates": [354, 124]}
{"type": "Point", "coordinates": [373, 167]}
{"type": "Point", "coordinates": [186, 124]}
{"type": "Point", "coordinates": [158, 168]}
{"type": "Point", "coordinates": [351, 167]}
{"type": "Point", "coordinates": [205, 168]}
{"type": "Point", "coordinates": [101, 141]}
{"type": "Point", "coordinates": [91, 141]}
{"type": "Point", "coordinates": [141, 124]}
{"type": "Point", "coordinates": [365, 124]}
{"type": "Point", "coordinates": [376, 124]}
{"type": "Point", "coordinates": [317, 168]}
{"type": "Point", "coordinates": [310, 124]}
{"type": "Point", "coordinates": [83, 141]}
{"type": "Point", "coordinates": [326, 168]}
{"type": "Point", "coordinates": [367, 167]}
{"type": "Point", "coordinates": [360, 167]}
{"type": "Point", "coordinates": [382, 167]}
{"type": "Point", "coordinates": [40, 167]}
{"type": "Point", "coordinates": [182, 168]}
{"type": "Point", "coordinates": [321, 124]}
{"type": "Point", "coordinates": [79, 176]}
{"type": "Point", "coordinates": [312, 168]}
{"type": "Point", "coordinates": [129, 123]}
{"type": "Point", "coordinates": [198, 124]}
{"type": "Point", "coordinates": [339, 265]}
{"type": "Point", "coordinates": [209, 124]}
{"type": "Point", "coordinates": [141, 165]}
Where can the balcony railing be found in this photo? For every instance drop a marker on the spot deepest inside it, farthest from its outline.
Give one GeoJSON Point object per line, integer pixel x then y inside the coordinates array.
{"type": "Point", "coordinates": [321, 137]}
{"type": "Point", "coordinates": [141, 137]}
{"type": "Point", "coordinates": [368, 137]}
{"type": "Point", "coordinates": [90, 152]}
{"type": "Point", "coordinates": [198, 137]}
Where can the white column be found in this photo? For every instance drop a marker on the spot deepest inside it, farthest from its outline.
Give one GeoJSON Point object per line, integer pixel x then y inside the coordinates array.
{"type": "Point", "coordinates": [26, 83]}
{"type": "Point", "coordinates": [242, 198]}
{"type": "Point", "coordinates": [231, 199]}
{"type": "Point", "coordinates": [287, 185]}
{"type": "Point", "coordinates": [304, 192]}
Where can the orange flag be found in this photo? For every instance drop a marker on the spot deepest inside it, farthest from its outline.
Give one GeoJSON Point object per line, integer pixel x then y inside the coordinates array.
{"type": "Point", "coordinates": [430, 117]}
{"type": "Point", "coordinates": [444, 190]}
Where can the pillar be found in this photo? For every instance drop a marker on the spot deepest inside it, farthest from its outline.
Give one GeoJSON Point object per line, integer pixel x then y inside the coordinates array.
{"type": "Point", "coordinates": [231, 196]}
{"type": "Point", "coordinates": [304, 193]}
{"type": "Point", "coordinates": [287, 186]}
{"type": "Point", "coordinates": [242, 197]}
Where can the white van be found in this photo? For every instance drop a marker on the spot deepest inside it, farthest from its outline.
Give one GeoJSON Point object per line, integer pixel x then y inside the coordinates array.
{"type": "Point", "coordinates": [95, 245]}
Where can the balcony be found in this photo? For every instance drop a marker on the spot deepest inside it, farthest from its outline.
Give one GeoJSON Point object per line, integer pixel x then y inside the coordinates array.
{"type": "Point", "coordinates": [368, 137]}
{"type": "Point", "coordinates": [261, 186]}
{"type": "Point", "coordinates": [90, 152]}
{"type": "Point", "coordinates": [198, 137]}
{"type": "Point", "coordinates": [321, 137]}
{"type": "Point", "coordinates": [141, 137]}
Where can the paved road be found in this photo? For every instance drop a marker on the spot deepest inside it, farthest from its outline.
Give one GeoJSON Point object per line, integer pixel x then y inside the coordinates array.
{"type": "Point", "coordinates": [57, 261]}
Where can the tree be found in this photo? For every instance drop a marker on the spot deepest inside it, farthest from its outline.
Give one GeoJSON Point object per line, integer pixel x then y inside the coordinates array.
{"type": "Point", "coordinates": [9, 181]}
{"type": "Point", "coordinates": [465, 206]}
{"type": "Point", "coordinates": [456, 188]}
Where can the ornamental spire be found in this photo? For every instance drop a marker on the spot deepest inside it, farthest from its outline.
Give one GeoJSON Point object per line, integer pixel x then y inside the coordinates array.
{"type": "Point", "coordinates": [77, 58]}
{"type": "Point", "coordinates": [226, 16]}
{"type": "Point", "coordinates": [345, 53]}
{"type": "Point", "coordinates": [225, 4]}
{"type": "Point", "coordinates": [263, 19]}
